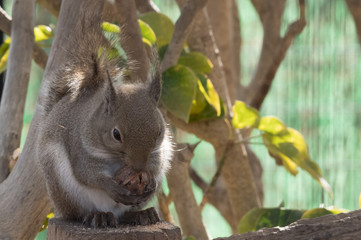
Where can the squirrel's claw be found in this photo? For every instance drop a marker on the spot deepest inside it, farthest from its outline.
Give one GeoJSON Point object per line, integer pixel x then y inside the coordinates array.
{"type": "Point", "coordinates": [100, 220]}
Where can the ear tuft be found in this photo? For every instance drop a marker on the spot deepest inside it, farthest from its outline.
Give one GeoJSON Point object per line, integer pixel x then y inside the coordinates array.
{"type": "Point", "coordinates": [156, 86]}
{"type": "Point", "coordinates": [109, 94]}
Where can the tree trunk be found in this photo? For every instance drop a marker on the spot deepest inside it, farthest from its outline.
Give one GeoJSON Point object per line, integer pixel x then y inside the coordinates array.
{"type": "Point", "coordinates": [24, 203]}
{"type": "Point", "coordinates": [16, 82]}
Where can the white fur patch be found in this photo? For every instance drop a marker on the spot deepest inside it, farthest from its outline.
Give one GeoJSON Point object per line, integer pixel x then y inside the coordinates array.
{"type": "Point", "coordinates": [89, 198]}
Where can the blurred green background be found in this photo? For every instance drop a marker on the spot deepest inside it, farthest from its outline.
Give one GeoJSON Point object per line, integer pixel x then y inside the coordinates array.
{"type": "Point", "coordinates": [315, 91]}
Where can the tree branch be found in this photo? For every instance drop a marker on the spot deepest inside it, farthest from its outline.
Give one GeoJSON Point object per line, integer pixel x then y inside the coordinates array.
{"type": "Point", "coordinates": [181, 30]}
{"type": "Point", "coordinates": [131, 39]}
{"type": "Point", "coordinates": [236, 171]}
{"type": "Point", "coordinates": [355, 9]}
{"type": "Point", "coordinates": [217, 197]}
{"type": "Point", "coordinates": [144, 6]}
{"type": "Point", "coordinates": [24, 202]}
{"type": "Point", "coordinates": [228, 39]}
{"type": "Point", "coordinates": [16, 83]}
{"type": "Point", "coordinates": [163, 203]}
{"type": "Point", "coordinates": [53, 6]}
{"type": "Point", "coordinates": [330, 227]}
{"type": "Point", "coordinates": [39, 55]}
{"type": "Point", "coordinates": [181, 189]}
{"type": "Point", "coordinates": [274, 48]}
{"type": "Point", "coordinates": [213, 182]}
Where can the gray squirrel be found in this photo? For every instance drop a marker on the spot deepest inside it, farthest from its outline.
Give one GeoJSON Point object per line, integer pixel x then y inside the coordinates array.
{"type": "Point", "coordinates": [104, 147]}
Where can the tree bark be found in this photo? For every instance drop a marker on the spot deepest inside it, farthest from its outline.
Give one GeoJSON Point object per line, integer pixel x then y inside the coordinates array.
{"type": "Point", "coordinates": [344, 226]}
{"type": "Point", "coordinates": [60, 230]}
{"type": "Point", "coordinates": [181, 30]}
{"type": "Point", "coordinates": [202, 39]}
{"type": "Point", "coordinates": [274, 47]}
{"type": "Point", "coordinates": [228, 38]}
{"type": "Point", "coordinates": [16, 82]}
{"type": "Point", "coordinates": [355, 9]}
{"type": "Point", "coordinates": [180, 188]}
{"type": "Point", "coordinates": [24, 203]}
{"type": "Point", "coordinates": [39, 54]}
{"type": "Point", "coordinates": [131, 40]}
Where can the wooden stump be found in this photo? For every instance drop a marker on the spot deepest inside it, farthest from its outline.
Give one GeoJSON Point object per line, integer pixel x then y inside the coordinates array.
{"type": "Point", "coordinates": [59, 229]}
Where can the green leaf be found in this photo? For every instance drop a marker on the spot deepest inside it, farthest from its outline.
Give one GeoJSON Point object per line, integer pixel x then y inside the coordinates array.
{"type": "Point", "coordinates": [147, 33]}
{"type": "Point", "coordinates": [290, 147]}
{"type": "Point", "coordinates": [41, 235]}
{"type": "Point", "coordinates": [161, 25]}
{"type": "Point", "coordinates": [196, 61]}
{"type": "Point", "coordinates": [110, 27]}
{"type": "Point", "coordinates": [199, 102]}
{"type": "Point", "coordinates": [244, 116]}
{"type": "Point", "coordinates": [318, 212]}
{"type": "Point", "coordinates": [46, 222]}
{"type": "Point", "coordinates": [212, 96]}
{"type": "Point", "coordinates": [43, 32]}
{"type": "Point", "coordinates": [179, 91]}
{"type": "Point", "coordinates": [4, 53]}
{"type": "Point", "coordinates": [258, 218]}
{"type": "Point", "coordinates": [272, 125]}
{"type": "Point", "coordinates": [207, 104]}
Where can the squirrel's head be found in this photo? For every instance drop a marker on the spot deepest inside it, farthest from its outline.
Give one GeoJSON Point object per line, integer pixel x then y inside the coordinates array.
{"type": "Point", "coordinates": [130, 126]}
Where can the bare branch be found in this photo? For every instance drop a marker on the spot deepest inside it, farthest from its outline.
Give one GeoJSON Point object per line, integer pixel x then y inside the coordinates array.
{"type": "Point", "coordinates": [212, 184]}
{"type": "Point", "coordinates": [217, 197]}
{"type": "Point", "coordinates": [39, 55]}
{"type": "Point", "coordinates": [131, 39]}
{"type": "Point", "coordinates": [163, 203]}
{"type": "Point", "coordinates": [226, 28]}
{"type": "Point", "coordinates": [5, 22]}
{"type": "Point", "coordinates": [144, 6]}
{"type": "Point", "coordinates": [16, 82]}
{"type": "Point", "coordinates": [181, 189]}
{"type": "Point", "coordinates": [274, 48]}
{"type": "Point", "coordinates": [355, 9]}
{"type": "Point", "coordinates": [181, 30]}
{"type": "Point", "coordinates": [53, 6]}
{"type": "Point", "coordinates": [342, 226]}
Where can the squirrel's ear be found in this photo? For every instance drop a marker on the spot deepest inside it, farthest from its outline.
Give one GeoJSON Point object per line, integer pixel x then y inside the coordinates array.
{"type": "Point", "coordinates": [109, 94]}
{"type": "Point", "coordinates": [156, 86]}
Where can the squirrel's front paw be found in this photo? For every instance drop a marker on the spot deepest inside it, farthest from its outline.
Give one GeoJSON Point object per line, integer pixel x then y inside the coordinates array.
{"type": "Point", "coordinates": [100, 220]}
{"type": "Point", "coordinates": [145, 217]}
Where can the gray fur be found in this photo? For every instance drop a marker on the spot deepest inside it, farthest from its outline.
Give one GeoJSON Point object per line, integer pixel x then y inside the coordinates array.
{"type": "Point", "coordinates": [79, 155]}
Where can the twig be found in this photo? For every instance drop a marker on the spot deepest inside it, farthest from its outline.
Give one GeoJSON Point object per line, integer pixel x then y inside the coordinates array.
{"type": "Point", "coordinates": [39, 55]}
{"type": "Point", "coordinates": [131, 39]}
{"type": "Point", "coordinates": [163, 202]}
{"type": "Point", "coordinates": [181, 30]}
{"type": "Point", "coordinates": [216, 175]}
{"type": "Point", "coordinates": [218, 197]}
{"type": "Point", "coordinates": [293, 30]}
{"type": "Point", "coordinates": [144, 6]}
{"type": "Point", "coordinates": [53, 6]}
{"type": "Point", "coordinates": [355, 9]}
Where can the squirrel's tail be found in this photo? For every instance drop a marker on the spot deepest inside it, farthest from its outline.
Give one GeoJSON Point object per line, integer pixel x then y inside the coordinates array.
{"type": "Point", "coordinates": [90, 55]}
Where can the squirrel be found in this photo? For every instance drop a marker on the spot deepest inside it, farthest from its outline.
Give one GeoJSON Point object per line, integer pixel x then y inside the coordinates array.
{"type": "Point", "coordinates": [104, 146]}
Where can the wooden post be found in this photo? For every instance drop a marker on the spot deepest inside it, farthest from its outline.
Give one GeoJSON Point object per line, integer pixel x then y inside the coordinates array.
{"type": "Point", "coordinates": [59, 229]}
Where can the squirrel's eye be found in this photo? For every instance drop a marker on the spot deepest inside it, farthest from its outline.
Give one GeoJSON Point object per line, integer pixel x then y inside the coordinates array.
{"type": "Point", "coordinates": [116, 135]}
